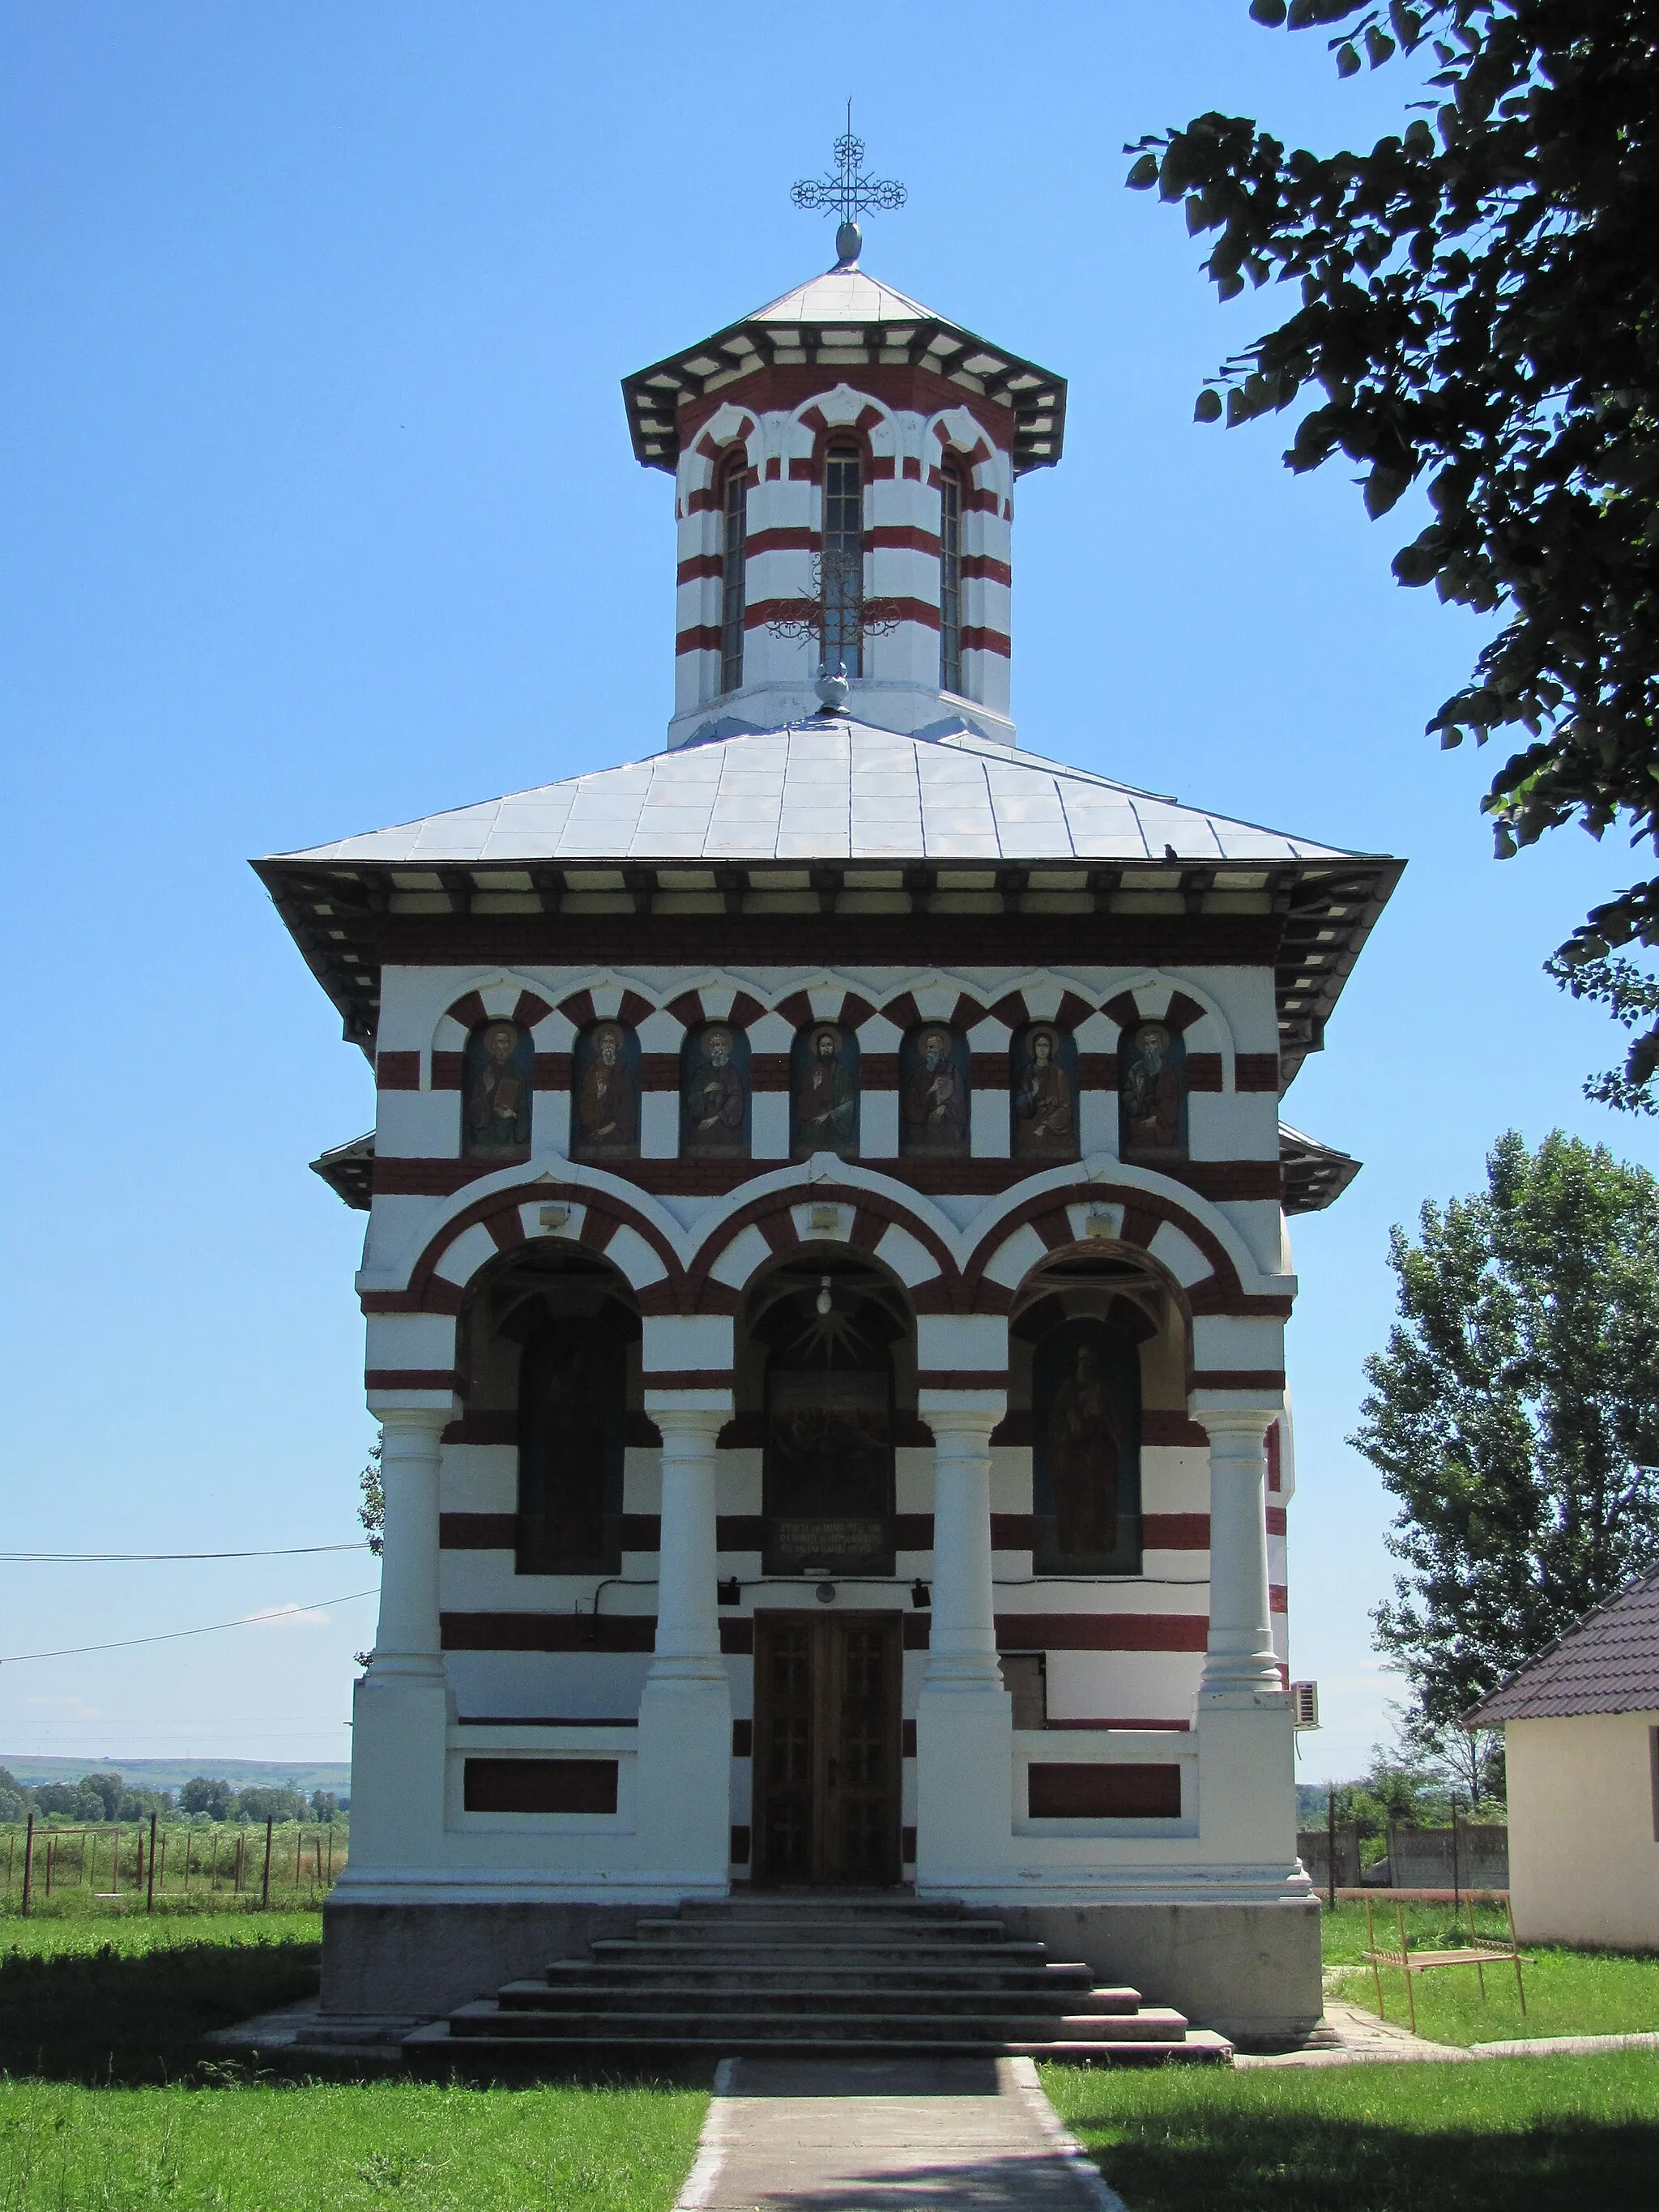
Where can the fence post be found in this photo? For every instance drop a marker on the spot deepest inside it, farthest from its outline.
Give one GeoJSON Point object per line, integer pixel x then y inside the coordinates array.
{"type": "Point", "coordinates": [149, 1883]}
{"type": "Point", "coordinates": [1457, 1893]}
{"type": "Point", "coordinates": [265, 1893]}
{"type": "Point", "coordinates": [298, 1842]}
{"type": "Point", "coordinates": [11, 1853]}
{"type": "Point", "coordinates": [1330, 1844]}
{"type": "Point", "coordinates": [28, 1865]}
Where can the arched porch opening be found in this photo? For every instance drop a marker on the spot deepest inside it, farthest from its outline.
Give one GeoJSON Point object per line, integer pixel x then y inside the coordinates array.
{"type": "Point", "coordinates": [1097, 1340]}
{"type": "Point", "coordinates": [825, 1383]}
{"type": "Point", "coordinates": [548, 1346]}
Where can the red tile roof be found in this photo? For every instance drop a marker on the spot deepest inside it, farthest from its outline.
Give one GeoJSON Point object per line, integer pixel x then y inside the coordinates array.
{"type": "Point", "coordinates": [1608, 1662]}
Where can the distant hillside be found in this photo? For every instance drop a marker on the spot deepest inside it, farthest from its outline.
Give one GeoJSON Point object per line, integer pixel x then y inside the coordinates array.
{"type": "Point", "coordinates": [171, 1773]}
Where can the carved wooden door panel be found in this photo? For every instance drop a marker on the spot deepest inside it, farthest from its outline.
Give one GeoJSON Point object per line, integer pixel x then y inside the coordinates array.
{"type": "Point", "coordinates": [827, 1748]}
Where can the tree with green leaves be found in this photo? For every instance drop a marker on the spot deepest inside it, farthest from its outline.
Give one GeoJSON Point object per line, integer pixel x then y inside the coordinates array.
{"type": "Point", "coordinates": [1515, 1416]}
{"type": "Point", "coordinates": [371, 1514]}
{"type": "Point", "coordinates": [1478, 312]}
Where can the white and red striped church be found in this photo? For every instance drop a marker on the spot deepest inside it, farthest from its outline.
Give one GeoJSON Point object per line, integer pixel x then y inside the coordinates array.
{"type": "Point", "coordinates": [826, 1270]}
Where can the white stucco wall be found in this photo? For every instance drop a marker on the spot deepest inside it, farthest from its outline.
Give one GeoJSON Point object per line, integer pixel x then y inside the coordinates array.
{"type": "Point", "coordinates": [1583, 1858]}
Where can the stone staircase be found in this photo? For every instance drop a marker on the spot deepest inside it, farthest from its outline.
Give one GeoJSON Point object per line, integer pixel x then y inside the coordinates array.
{"type": "Point", "coordinates": [810, 1976]}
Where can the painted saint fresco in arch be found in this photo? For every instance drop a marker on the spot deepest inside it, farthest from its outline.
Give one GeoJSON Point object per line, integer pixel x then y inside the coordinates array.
{"type": "Point", "coordinates": [1152, 1093]}
{"type": "Point", "coordinates": [605, 1070]}
{"type": "Point", "coordinates": [824, 1092]}
{"type": "Point", "coordinates": [1044, 1093]}
{"type": "Point", "coordinates": [496, 1072]}
{"type": "Point", "coordinates": [933, 1092]}
{"type": "Point", "coordinates": [714, 1093]}
{"type": "Point", "coordinates": [1086, 1469]}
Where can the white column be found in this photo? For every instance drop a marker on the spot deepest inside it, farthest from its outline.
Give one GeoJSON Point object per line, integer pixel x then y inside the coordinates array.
{"type": "Point", "coordinates": [1239, 1654]}
{"type": "Point", "coordinates": [685, 1710]}
{"type": "Point", "coordinates": [1246, 1778]}
{"type": "Point", "coordinates": [688, 1646]}
{"type": "Point", "coordinates": [962, 1651]}
{"type": "Point", "coordinates": [400, 1737]}
{"type": "Point", "coordinates": [964, 1717]}
{"type": "Point", "coordinates": [408, 1641]}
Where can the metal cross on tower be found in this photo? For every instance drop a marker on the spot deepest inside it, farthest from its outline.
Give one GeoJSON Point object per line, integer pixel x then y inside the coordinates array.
{"type": "Point", "coordinates": [850, 192]}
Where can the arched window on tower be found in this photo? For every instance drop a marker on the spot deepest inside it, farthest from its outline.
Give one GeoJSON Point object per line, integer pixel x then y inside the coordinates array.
{"type": "Point", "coordinates": [733, 556]}
{"type": "Point", "coordinates": [950, 578]}
{"type": "Point", "coordinates": [842, 560]}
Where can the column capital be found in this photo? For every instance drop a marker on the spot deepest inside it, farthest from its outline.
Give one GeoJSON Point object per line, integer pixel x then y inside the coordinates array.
{"type": "Point", "coordinates": [406, 1420]}
{"type": "Point", "coordinates": [689, 1412]}
{"type": "Point", "coordinates": [961, 1413]}
{"type": "Point", "coordinates": [1235, 1420]}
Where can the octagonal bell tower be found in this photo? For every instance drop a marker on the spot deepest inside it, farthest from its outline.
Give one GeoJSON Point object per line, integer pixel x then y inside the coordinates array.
{"type": "Point", "coordinates": [844, 462]}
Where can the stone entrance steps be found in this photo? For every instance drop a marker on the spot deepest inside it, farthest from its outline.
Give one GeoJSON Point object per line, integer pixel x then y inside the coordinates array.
{"type": "Point", "coordinates": [808, 1976]}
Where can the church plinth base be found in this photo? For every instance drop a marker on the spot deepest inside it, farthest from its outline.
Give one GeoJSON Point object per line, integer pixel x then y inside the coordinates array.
{"type": "Point", "coordinates": [419, 1961]}
{"type": "Point", "coordinates": [1251, 1971]}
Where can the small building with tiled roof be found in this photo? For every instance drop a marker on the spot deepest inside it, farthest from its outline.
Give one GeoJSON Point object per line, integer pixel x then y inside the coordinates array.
{"type": "Point", "coordinates": [826, 1268]}
{"type": "Point", "coordinates": [1581, 1737]}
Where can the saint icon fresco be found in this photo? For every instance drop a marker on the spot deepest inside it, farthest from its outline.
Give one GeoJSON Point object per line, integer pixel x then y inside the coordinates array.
{"type": "Point", "coordinates": [824, 1093]}
{"type": "Point", "coordinates": [714, 1092]}
{"type": "Point", "coordinates": [1151, 1098]}
{"type": "Point", "coordinates": [1085, 1416]}
{"type": "Point", "coordinates": [607, 1101]}
{"type": "Point", "coordinates": [495, 1088]}
{"type": "Point", "coordinates": [1045, 1094]}
{"type": "Point", "coordinates": [934, 1092]}
{"type": "Point", "coordinates": [1084, 1439]}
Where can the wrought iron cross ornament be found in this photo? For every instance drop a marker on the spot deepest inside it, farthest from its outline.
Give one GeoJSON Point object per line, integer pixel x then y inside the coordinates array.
{"type": "Point", "coordinates": [836, 610]}
{"type": "Point", "coordinates": [850, 192]}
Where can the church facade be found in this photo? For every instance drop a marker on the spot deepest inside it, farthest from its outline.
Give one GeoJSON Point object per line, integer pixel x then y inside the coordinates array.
{"type": "Point", "coordinates": [826, 1268]}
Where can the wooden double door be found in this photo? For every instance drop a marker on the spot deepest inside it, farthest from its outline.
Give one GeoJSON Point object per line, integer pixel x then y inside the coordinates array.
{"type": "Point", "coordinates": [828, 1748]}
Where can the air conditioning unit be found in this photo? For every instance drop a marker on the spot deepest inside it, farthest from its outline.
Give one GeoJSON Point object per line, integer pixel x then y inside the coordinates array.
{"type": "Point", "coordinates": [1304, 1705]}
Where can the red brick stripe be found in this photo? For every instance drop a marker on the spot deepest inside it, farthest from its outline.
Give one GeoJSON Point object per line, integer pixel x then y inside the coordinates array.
{"type": "Point", "coordinates": [398, 1071]}
{"type": "Point", "coordinates": [635, 1632]}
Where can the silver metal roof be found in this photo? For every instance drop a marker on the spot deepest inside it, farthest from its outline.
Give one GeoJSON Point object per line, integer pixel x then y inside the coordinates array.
{"type": "Point", "coordinates": [845, 296]}
{"type": "Point", "coordinates": [829, 789]}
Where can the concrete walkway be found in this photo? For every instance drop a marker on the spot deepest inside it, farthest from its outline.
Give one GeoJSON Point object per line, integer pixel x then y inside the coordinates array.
{"type": "Point", "coordinates": [955, 2134]}
{"type": "Point", "coordinates": [1351, 2036]}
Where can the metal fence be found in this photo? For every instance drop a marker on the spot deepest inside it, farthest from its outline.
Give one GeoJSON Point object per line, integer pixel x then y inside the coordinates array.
{"type": "Point", "coordinates": [153, 1861]}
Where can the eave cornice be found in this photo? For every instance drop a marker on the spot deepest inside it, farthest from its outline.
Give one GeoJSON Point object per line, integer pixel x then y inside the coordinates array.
{"type": "Point", "coordinates": [1307, 918]}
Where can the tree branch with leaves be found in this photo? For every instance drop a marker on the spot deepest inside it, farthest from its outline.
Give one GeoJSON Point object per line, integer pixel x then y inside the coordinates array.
{"type": "Point", "coordinates": [1479, 312]}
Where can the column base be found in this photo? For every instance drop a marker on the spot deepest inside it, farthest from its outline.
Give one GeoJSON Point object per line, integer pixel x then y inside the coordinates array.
{"type": "Point", "coordinates": [964, 1781]}
{"type": "Point", "coordinates": [1246, 1775]}
{"type": "Point", "coordinates": [684, 1789]}
{"type": "Point", "coordinates": [399, 1741]}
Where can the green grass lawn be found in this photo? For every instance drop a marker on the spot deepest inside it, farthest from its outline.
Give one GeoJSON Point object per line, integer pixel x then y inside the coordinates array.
{"type": "Point", "coordinates": [110, 2101]}
{"type": "Point", "coordinates": [130, 2000]}
{"type": "Point", "coordinates": [1568, 1992]}
{"type": "Point", "coordinates": [1514, 2134]}
{"type": "Point", "coordinates": [332, 2147]}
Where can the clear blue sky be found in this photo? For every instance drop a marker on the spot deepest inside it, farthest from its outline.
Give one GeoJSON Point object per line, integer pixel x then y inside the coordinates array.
{"type": "Point", "coordinates": [320, 514]}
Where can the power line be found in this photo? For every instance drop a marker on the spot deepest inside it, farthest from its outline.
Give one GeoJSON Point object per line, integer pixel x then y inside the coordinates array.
{"type": "Point", "coordinates": [90, 1558]}
{"type": "Point", "coordinates": [171, 1635]}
